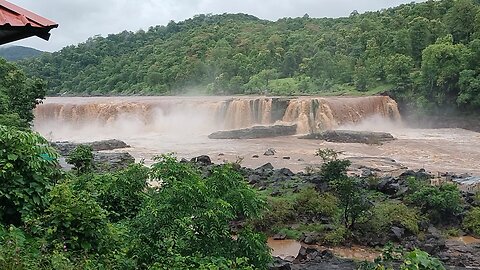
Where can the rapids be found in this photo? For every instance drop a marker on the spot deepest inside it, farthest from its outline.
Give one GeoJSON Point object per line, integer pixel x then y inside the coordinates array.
{"type": "Point", "coordinates": [155, 125]}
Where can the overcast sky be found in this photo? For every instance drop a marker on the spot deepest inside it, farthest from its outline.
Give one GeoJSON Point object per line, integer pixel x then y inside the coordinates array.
{"type": "Point", "coordinates": [81, 19]}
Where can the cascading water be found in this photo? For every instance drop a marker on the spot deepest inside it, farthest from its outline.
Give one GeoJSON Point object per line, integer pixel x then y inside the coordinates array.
{"type": "Point", "coordinates": [190, 115]}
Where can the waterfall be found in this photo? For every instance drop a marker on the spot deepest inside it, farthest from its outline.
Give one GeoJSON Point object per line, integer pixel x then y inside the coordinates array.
{"type": "Point", "coordinates": [207, 114]}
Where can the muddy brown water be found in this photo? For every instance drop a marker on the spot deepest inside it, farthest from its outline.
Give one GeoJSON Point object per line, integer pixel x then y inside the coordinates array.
{"type": "Point", "coordinates": [290, 248]}
{"type": "Point", "coordinates": [156, 125]}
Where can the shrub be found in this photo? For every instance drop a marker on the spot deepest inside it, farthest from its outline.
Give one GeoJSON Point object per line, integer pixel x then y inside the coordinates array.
{"type": "Point", "coordinates": [28, 170]}
{"type": "Point", "coordinates": [81, 158]}
{"type": "Point", "coordinates": [312, 204]}
{"type": "Point", "coordinates": [278, 212]}
{"type": "Point", "coordinates": [73, 220]}
{"type": "Point", "coordinates": [388, 214]}
{"type": "Point", "coordinates": [440, 203]}
{"type": "Point", "coordinates": [471, 221]}
{"type": "Point", "coordinates": [191, 214]}
{"type": "Point", "coordinates": [121, 193]}
{"type": "Point", "coordinates": [337, 236]}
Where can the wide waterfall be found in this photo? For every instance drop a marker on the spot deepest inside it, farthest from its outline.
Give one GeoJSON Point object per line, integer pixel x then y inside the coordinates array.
{"type": "Point", "coordinates": [207, 114]}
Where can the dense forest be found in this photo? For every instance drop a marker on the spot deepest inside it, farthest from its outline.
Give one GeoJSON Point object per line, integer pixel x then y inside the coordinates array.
{"type": "Point", "coordinates": [427, 53]}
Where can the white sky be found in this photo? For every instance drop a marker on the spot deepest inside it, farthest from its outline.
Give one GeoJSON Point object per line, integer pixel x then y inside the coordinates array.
{"type": "Point", "coordinates": [81, 19]}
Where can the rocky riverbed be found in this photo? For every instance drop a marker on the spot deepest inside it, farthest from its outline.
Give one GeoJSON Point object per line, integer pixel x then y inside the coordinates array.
{"type": "Point", "coordinates": [278, 182]}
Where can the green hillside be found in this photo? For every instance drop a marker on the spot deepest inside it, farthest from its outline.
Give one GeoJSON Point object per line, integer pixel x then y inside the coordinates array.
{"type": "Point", "coordinates": [15, 53]}
{"type": "Point", "coordinates": [425, 54]}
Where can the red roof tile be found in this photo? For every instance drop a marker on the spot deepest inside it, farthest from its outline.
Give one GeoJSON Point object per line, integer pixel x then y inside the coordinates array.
{"type": "Point", "coordinates": [17, 23]}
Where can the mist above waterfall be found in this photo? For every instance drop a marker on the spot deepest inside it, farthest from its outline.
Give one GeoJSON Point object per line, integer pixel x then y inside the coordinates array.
{"type": "Point", "coordinates": [189, 117]}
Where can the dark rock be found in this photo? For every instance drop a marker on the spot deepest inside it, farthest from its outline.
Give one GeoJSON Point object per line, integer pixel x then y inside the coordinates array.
{"type": "Point", "coordinates": [267, 167]}
{"type": "Point", "coordinates": [112, 161]}
{"type": "Point", "coordinates": [202, 160]}
{"type": "Point", "coordinates": [351, 136]}
{"type": "Point", "coordinates": [279, 264]}
{"type": "Point", "coordinates": [279, 236]}
{"type": "Point", "coordinates": [276, 193]}
{"type": "Point", "coordinates": [310, 238]}
{"type": "Point", "coordinates": [255, 156]}
{"type": "Point", "coordinates": [270, 152]}
{"type": "Point", "coordinates": [286, 158]}
{"type": "Point", "coordinates": [398, 232]}
{"type": "Point", "coordinates": [388, 185]}
{"type": "Point", "coordinates": [221, 154]}
{"type": "Point", "coordinates": [366, 173]}
{"type": "Point", "coordinates": [306, 254]}
{"type": "Point", "coordinates": [253, 179]}
{"type": "Point", "coordinates": [256, 132]}
{"type": "Point", "coordinates": [64, 148]}
{"type": "Point", "coordinates": [300, 159]}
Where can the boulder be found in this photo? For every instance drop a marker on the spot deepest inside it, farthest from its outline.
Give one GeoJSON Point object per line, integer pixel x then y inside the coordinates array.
{"type": "Point", "coordinates": [256, 132]}
{"type": "Point", "coordinates": [202, 160]}
{"type": "Point", "coordinates": [112, 161]}
{"type": "Point", "coordinates": [65, 147]}
{"type": "Point", "coordinates": [351, 136]}
{"type": "Point", "coordinates": [279, 264]}
{"type": "Point", "coordinates": [279, 236]}
{"type": "Point", "coordinates": [270, 152]}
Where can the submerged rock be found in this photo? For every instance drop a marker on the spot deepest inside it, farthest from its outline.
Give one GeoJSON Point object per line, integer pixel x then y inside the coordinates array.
{"type": "Point", "coordinates": [256, 132]}
{"type": "Point", "coordinates": [351, 136]}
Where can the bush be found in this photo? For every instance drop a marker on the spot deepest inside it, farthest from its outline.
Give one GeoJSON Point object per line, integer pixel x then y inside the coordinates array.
{"type": "Point", "coordinates": [337, 236]}
{"type": "Point", "coordinates": [191, 214]}
{"type": "Point", "coordinates": [441, 203]}
{"type": "Point", "coordinates": [471, 221]}
{"type": "Point", "coordinates": [388, 214]}
{"type": "Point", "coordinates": [310, 203]}
{"type": "Point", "coordinates": [28, 170]}
{"type": "Point", "coordinates": [81, 158]}
{"type": "Point", "coordinates": [278, 212]}
{"type": "Point", "coordinates": [120, 193]}
{"type": "Point", "coordinates": [73, 220]}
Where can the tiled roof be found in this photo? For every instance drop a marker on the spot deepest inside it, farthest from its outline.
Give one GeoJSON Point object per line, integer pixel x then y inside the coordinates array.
{"type": "Point", "coordinates": [17, 23]}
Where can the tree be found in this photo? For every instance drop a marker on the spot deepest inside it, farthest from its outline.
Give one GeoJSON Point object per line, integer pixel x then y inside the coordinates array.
{"type": "Point", "coordinates": [353, 200]}
{"type": "Point", "coordinates": [442, 63]}
{"type": "Point", "coordinates": [28, 171]}
{"type": "Point", "coordinates": [19, 95]}
{"type": "Point", "coordinates": [190, 214]}
{"type": "Point", "coordinates": [461, 20]}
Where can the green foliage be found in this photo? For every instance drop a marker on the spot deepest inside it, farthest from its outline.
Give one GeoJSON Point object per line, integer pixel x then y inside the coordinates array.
{"type": "Point", "coordinates": [441, 203]}
{"type": "Point", "coordinates": [81, 158]}
{"type": "Point", "coordinates": [353, 200]}
{"type": "Point", "coordinates": [310, 203]}
{"type": "Point", "coordinates": [73, 219]}
{"type": "Point", "coordinates": [279, 211]}
{"type": "Point", "coordinates": [413, 260]}
{"type": "Point", "coordinates": [190, 214]}
{"type": "Point", "coordinates": [18, 95]}
{"type": "Point", "coordinates": [388, 214]}
{"type": "Point", "coordinates": [17, 251]}
{"type": "Point", "coordinates": [337, 236]}
{"type": "Point", "coordinates": [26, 175]}
{"type": "Point", "coordinates": [417, 259]}
{"type": "Point", "coordinates": [241, 54]}
{"type": "Point", "coordinates": [471, 222]}
{"type": "Point", "coordinates": [122, 193]}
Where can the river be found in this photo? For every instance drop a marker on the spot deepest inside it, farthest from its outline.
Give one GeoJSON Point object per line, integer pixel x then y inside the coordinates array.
{"type": "Point", "coordinates": [156, 125]}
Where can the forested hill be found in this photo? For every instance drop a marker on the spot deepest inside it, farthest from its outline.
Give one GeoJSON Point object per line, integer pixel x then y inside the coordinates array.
{"type": "Point", "coordinates": [15, 53]}
{"type": "Point", "coordinates": [427, 53]}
